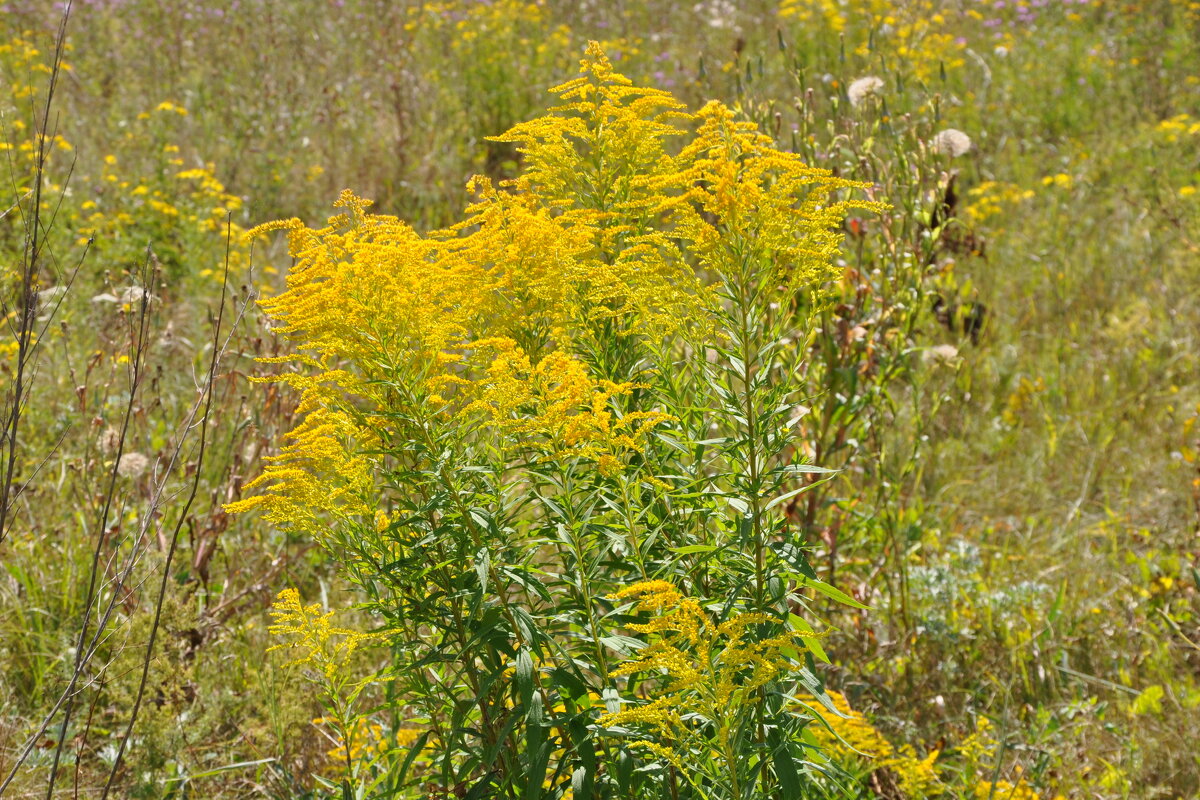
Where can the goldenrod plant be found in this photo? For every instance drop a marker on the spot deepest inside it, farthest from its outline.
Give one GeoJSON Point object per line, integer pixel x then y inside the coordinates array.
{"type": "Point", "coordinates": [581, 384]}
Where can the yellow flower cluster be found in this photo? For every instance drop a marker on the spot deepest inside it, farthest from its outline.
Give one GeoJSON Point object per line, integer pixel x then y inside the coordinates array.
{"type": "Point", "coordinates": [980, 746]}
{"type": "Point", "coordinates": [172, 211]}
{"type": "Point", "coordinates": [851, 739]}
{"type": "Point", "coordinates": [1022, 400]}
{"type": "Point", "coordinates": [21, 58]}
{"type": "Point", "coordinates": [979, 750]}
{"type": "Point", "coordinates": [318, 474]}
{"type": "Point", "coordinates": [849, 735]}
{"type": "Point", "coordinates": [1181, 129]}
{"type": "Point", "coordinates": [497, 22]}
{"type": "Point", "coordinates": [917, 32]}
{"type": "Point", "coordinates": [556, 402]}
{"type": "Point", "coordinates": [368, 740]}
{"type": "Point", "coordinates": [728, 189]}
{"type": "Point", "coordinates": [628, 266]}
{"type": "Point", "coordinates": [179, 212]}
{"type": "Point", "coordinates": [682, 646]}
{"type": "Point", "coordinates": [1061, 180]}
{"type": "Point", "coordinates": [710, 668]}
{"type": "Point", "coordinates": [504, 19]}
{"type": "Point", "coordinates": [1004, 790]}
{"type": "Point", "coordinates": [1177, 127]}
{"type": "Point", "coordinates": [753, 202]}
{"type": "Point", "coordinates": [605, 235]}
{"type": "Point", "coordinates": [829, 14]}
{"type": "Point", "coordinates": [990, 198]}
{"type": "Point", "coordinates": [22, 66]}
{"type": "Point", "coordinates": [312, 636]}
{"type": "Point", "coordinates": [370, 291]}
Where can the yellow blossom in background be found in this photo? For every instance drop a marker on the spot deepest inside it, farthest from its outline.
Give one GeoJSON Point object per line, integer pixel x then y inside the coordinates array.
{"type": "Point", "coordinates": [1061, 181]}
{"type": "Point", "coordinates": [167, 105]}
{"type": "Point", "coordinates": [365, 740]}
{"type": "Point", "coordinates": [917, 38]}
{"type": "Point", "coordinates": [981, 744]}
{"type": "Point", "coordinates": [1004, 790]}
{"type": "Point", "coordinates": [1177, 127]}
{"type": "Point", "coordinates": [848, 735]}
{"type": "Point", "coordinates": [991, 198]}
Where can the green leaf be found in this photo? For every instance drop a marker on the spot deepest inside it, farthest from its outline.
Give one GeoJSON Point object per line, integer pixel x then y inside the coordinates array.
{"type": "Point", "coordinates": [785, 768]}
{"type": "Point", "coordinates": [524, 669]}
{"type": "Point", "coordinates": [480, 789]}
{"type": "Point", "coordinates": [582, 779]}
{"type": "Point", "coordinates": [806, 468]}
{"type": "Point", "coordinates": [612, 700]}
{"type": "Point", "coordinates": [812, 643]}
{"type": "Point", "coordinates": [217, 770]}
{"type": "Point", "coordinates": [526, 626]}
{"type": "Point", "coordinates": [625, 772]}
{"type": "Point", "coordinates": [482, 564]}
{"type": "Point", "coordinates": [568, 685]}
{"type": "Point", "coordinates": [413, 752]}
{"type": "Point", "coordinates": [694, 548]}
{"type": "Point", "coordinates": [581, 782]}
{"type": "Point", "coordinates": [536, 749]}
{"type": "Point", "coordinates": [783, 498]}
{"type": "Point", "coordinates": [829, 591]}
{"type": "Point", "coordinates": [622, 644]}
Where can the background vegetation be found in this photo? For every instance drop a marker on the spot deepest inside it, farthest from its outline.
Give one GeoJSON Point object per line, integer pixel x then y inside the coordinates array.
{"type": "Point", "coordinates": [1005, 375]}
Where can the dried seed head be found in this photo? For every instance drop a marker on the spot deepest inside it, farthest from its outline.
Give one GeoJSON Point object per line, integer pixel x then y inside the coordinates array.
{"type": "Point", "coordinates": [861, 89]}
{"type": "Point", "coordinates": [109, 440]}
{"type": "Point", "coordinates": [133, 294]}
{"type": "Point", "coordinates": [941, 354]}
{"type": "Point", "coordinates": [951, 142]}
{"type": "Point", "coordinates": [132, 465]}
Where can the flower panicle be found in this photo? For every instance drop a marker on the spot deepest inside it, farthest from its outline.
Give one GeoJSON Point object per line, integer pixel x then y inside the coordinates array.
{"type": "Point", "coordinates": [310, 635]}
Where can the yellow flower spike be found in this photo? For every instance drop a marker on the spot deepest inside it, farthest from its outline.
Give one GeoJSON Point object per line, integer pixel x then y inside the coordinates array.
{"type": "Point", "coordinates": [311, 636]}
{"type": "Point", "coordinates": [696, 665]}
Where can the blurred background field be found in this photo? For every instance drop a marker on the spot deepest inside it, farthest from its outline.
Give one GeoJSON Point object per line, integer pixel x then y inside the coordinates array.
{"type": "Point", "coordinates": [1008, 382]}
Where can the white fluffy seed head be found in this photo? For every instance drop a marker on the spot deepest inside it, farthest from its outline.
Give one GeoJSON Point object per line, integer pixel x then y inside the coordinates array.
{"type": "Point", "coordinates": [109, 440]}
{"type": "Point", "coordinates": [951, 142]}
{"type": "Point", "coordinates": [132, 465]}
{"type": "Point", "coordinates": [862, 88]}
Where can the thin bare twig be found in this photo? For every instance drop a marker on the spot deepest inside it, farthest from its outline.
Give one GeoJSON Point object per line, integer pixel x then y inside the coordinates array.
{"type": "Point", "coordinates": [139, 354]}
{"type": "Point", "coordinates": [183, 512]}
{"type": "Point", "coordinates": [28, 296]}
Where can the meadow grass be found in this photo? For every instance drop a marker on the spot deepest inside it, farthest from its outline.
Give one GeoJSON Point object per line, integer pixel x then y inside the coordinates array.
{"type": "Point", "coordinates": [1002, 368]}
